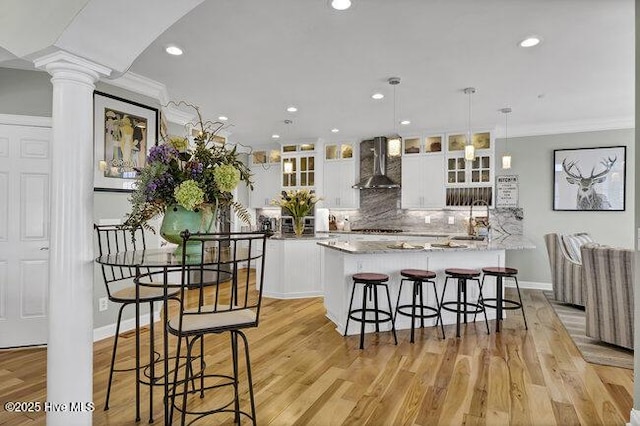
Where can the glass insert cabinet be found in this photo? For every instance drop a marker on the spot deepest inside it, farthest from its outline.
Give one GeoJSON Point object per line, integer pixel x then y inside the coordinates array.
{"type": "Point", "coordinates": [299, 165]}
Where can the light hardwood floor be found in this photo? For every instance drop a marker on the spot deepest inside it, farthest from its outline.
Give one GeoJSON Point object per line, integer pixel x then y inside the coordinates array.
{"type": "Point", "coordinates": [305, 373]}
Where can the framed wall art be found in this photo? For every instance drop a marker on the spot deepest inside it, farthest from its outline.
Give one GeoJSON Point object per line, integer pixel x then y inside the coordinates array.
{"type": "Point", "coordinates": [124, 131]}
{"type": "Point", "coordinates": [589, 179]}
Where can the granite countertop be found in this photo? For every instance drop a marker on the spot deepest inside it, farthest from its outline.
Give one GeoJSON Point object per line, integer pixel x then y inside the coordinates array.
{"type": "Point", "coordinates": [317, 236]}
{"type": "Point", "coordinates": [511, 242]}
{"type": "Point", "coordinates": [407, 233]}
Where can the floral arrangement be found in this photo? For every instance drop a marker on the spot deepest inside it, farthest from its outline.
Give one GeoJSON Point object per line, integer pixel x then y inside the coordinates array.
{"type": "Point", "coordinates": [193, 177]}
{"type": "Point", "coordinates": [299, 202]}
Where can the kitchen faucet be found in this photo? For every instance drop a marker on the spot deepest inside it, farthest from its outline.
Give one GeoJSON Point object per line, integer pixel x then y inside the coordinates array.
{"type": "Point", "coordinates": [472, 229]}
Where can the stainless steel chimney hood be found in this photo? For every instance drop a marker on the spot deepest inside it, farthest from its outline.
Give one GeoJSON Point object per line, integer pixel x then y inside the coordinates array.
{"type": "Point", "coordinates": [379, 178]}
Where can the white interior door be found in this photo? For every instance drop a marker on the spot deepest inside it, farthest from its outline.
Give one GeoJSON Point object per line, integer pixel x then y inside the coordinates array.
{"type": "Point", "coordinates": [25, 164]}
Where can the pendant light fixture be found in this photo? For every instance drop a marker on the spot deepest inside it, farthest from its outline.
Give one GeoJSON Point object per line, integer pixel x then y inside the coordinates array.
{"type": "Point", "coordinates": [287, 164]}
{"type": "Point", "coordinates": [506, 157]}
{"type": "Point", "coordinates": [469, 149]}
{"type": "Point", "coordinates": [394, 142]}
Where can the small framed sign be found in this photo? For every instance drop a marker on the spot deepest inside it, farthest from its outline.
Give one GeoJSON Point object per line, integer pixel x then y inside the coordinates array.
{"type": "Point", "coordinates": [507, 191]}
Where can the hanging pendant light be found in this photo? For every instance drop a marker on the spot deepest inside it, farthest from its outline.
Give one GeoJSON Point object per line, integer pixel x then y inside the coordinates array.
{"type": "Point", "coordinates": [506, 158]}
{"type": "Point", "coordinates": [394, 142]}
{"type": "Point", "coordinates": [469, 149]}
{"type": "Point", "coordinates": [287, 164]}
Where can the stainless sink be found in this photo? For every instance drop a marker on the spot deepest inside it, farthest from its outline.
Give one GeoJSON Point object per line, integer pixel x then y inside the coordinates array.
{"type": "Point", "coordinates": [467, 238]}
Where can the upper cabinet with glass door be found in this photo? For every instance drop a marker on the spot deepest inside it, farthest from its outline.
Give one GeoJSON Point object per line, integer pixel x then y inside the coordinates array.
{"type": "Point", "coordinates": [298, 165]}
{"type": "Point", "coordinates": [477, 171]}
{"type": "Point", "coordinates": [431, 144]}
{"type": "Point", "coordinates": [338, 151]}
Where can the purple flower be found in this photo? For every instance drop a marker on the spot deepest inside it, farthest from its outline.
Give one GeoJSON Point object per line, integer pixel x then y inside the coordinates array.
{"type": "Point", "coordinates": [162, 154]}
{"type": "Point", "coordinates": [194, 169]}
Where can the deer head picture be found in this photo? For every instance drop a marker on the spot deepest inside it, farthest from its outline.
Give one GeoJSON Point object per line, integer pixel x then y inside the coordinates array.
{"type": "Point", "coordinates": [601, 188]}
{"type": "Point", "coordinates": [587, 198]}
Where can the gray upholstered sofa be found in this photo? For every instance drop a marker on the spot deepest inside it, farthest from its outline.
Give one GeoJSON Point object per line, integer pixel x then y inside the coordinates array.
{"type": "Point", "coordinates": [566, 266]}
{"type": "Point", "coordinates": [608, 281]}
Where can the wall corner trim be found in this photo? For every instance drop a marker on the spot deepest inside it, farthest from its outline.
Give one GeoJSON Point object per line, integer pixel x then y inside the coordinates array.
{"type": "Point", "coordinates": [153, 89]}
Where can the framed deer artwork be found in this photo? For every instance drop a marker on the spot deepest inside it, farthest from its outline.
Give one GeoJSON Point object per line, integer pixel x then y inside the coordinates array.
{"type": "Point", "coordinates": [589, 179]}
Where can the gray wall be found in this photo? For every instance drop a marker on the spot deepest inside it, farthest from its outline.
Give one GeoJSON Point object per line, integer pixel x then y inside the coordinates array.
{"type": "Point", "coordinates": [30, 93]}
{"type": "Point", "coordinates": [636, 298]}
{"type": "Point", "coordinates": [532, 159]}
{"type": "Point", "coordinates": [25, 92]}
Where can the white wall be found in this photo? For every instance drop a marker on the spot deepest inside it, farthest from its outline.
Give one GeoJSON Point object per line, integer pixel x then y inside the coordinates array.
{"type": "Point", "coordinates": [532, 161]}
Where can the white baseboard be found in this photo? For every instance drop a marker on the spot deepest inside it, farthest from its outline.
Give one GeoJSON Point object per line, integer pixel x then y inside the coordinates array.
{"type": "Point", "coordinates": [532, 285]}
{"type": "Point", "coordinates": [296, 295]}
{"type": "Point", "coordinates": [126, 325]}
{"type": "Point", "coordinates": [634, 418]}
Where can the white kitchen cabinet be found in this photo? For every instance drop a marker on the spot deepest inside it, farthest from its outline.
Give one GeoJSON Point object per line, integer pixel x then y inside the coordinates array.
{"type": "Point", "coordinates": [266, 185]}
{"type": "Point", "coordinates": [339, 177]}
{"type": "Point", "coordinates": [293, 268]}
{"type": "Point", "coordinates": [423, 181]}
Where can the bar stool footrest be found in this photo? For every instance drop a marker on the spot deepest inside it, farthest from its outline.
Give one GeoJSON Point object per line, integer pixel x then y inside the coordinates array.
{"type": "Point", "coordinates": [386, 316]}
{"type": "Point", "coordinates": [464, 307]}
{"type": "Point", "coordinates": [507, 303]}
{"type": "Point", "coordinates": [418, 308]}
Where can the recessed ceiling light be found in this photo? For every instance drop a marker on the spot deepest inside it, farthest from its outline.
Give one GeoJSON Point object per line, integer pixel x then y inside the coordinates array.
{"type": "Point", "coordinates": [172, 49]}
{"type": "Point", "coordinates": [223, 118]}
{"type": "Point", "coordinates": [292, 109]}
{"type": "Point", "coordinates": [341, 4]}
{"type": "Point", "coordinates": [530, 41]}
{"type": "Point", "coordinates": [335, 130]}
{"type": "Point", "coordinates": [377, 96]}
{"type": "Point", "coordinates": [405, 122]}
{"type": "Point", "coordinates": [275, 136]}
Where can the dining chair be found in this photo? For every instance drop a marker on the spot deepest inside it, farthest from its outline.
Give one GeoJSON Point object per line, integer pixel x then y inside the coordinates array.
{"type": "Point", "coordinates": [120, 289]}
{"type": "Point", "coordinates": [220, 295]}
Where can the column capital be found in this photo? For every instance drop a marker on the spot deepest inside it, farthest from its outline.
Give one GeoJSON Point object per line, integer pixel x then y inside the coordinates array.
{"type": "Point", "coordinates": [65, 65]}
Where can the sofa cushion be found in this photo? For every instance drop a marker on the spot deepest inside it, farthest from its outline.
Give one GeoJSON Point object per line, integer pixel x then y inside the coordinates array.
{"type": "Point", "coordinates": [572, 243]}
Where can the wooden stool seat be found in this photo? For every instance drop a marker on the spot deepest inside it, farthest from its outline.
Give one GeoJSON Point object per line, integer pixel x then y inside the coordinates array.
{"type": "Point", "coordinates": [462, 273]}
{"type": "Point", "coordinates": [417, 309]}
{"type": "Point", "coordinates": [498, 271]}
{"type": "Point", "coordinates": [370, 277]}
{"type": "Point", "coordinates": [461, 306]}
{"type": "Point", "coordinates": [500, 303]}
{"type": "Point", "coordinates": [370, 281]}
{"type": "Point", "coordinates": [417, 274]}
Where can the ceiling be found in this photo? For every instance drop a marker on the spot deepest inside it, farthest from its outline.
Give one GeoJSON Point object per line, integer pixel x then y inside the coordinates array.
{"type": "Point", "coordinates": [250, 59]}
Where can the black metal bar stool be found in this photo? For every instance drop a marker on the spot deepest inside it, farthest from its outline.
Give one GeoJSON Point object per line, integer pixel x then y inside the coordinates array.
{"type": "Point", "coordinates": [500, 302]}
{"type": "Point", "coordinates": [418, 277]}
{"type": "Point", "coordinates": [463, 306]}
{"type": "Point", "coordinates": [371, 282]}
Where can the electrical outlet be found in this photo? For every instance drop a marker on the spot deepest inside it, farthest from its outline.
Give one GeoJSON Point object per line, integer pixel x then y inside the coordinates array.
{"type": "Point", "coordinates": [427, 219]}
{"type": "Point", "coordinates": [452, 220]}
{"type": "Point", "coordinates": [359, 266]}
{"type": "Point", "coordinates": [103, 304]}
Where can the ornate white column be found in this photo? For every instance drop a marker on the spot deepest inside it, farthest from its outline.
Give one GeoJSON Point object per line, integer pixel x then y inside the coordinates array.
{"type": "Point", "coordinates": [70, 344]}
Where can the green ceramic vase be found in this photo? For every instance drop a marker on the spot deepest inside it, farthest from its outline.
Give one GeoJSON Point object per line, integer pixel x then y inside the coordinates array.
{"type": "Point", "coordinates": [177, 219]}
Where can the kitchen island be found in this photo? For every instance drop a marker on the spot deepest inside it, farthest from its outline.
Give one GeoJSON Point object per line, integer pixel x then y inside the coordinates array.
{"type": "Point", "coordinates": [343, 259]}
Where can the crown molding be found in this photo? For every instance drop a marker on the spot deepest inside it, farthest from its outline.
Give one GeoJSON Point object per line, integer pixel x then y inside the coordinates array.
{"type": "Point", "coordinates": [145, 86]}
{"type": "Point", "coordinates": [25, 120]}
{"type": "Point", "coordinates": [578, 126]}
{"type": "Point", "coordinates": [76, 62]}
